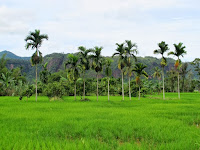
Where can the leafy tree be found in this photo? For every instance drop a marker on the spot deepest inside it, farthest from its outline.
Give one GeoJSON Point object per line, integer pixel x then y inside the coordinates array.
{"type": "Point", "coordinates": [121, 62]}
{"type": "Point", "coordinates": [85, 62]}
{"type": "Point", "coordinates": [130, 50]}
{"type": "Point", "coordinates": [34, 41]}
{"type": "Point", "coordinates": [7, 82]}
{"type": "Point", "coordinates": [196, 64]}
{"type": "Point", "coordinates": [97, 62]}
{"type": "Point", "coordinates": [171, 80]}
{"type": "Point", "coordinates": [28, 92]}
{"type": "Point", "coordinates": [179, 51]}
{"type": "Point", "coordinates": [44, 74]}
{"type": "Point", "coordinates": [55, 90]}
{"type": "Point", "coordinates": [3, 61]}
{"type": "Point", "coordinates": [139, 71]}
{"type": "Point", "coordinates": [163, 47]}
{"type": "Point", "coordinates": [73, 70]}
{"type": "Point", "coordinates": [183, 72]}
{"type": "Point", "coordinates": [108, 72]}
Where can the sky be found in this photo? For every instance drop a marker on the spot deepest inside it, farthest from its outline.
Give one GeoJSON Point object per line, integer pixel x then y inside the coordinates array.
{"type": "Point", "coordinates": [73, 23]}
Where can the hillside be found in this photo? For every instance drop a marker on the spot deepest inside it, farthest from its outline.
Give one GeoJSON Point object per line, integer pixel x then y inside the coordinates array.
{"type": "Point", "coordinates": [10, 55]}
{"type": "Point", "coordinates": [56, 62]}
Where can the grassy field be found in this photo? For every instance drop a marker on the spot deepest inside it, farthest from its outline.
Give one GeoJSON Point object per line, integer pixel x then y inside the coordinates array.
{"type": "Point", "coordinates": [150, 123]}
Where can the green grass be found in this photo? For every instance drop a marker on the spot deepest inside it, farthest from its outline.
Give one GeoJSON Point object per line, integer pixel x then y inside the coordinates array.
{"type": "Point", "coordinates": [150, 123]}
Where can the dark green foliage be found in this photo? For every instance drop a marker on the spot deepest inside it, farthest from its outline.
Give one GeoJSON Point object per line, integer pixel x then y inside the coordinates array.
{"type": "Point", "coordinates": [55, 89]}
{"type": "Point", "coordinates": [27, 92]}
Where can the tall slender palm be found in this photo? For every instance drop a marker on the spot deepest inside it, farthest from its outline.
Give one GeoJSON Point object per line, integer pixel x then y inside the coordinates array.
{"type": "Point", "coordinates": [157, 74]}
{"type": "Point", "coordinates": [85, 62]}
{"type": "Point", "coordinates": [34, 41]}
{"type": "Point", "coordinates": [108, 72]}
{"type": "Point", "coordinates": [163, 47]}
{"type": "Point", "coordinates": [73, 69]}
{"type": "Point", "coordinates": [121, 62]}
{"type": "Point", "coordinates": [97, 63]}
{"type": "Point", "coordinates": [130, 51]}
{"type": "Point", "coordinates": [179, 51]}
{"type": "Point", "coordinates": [139, 71]}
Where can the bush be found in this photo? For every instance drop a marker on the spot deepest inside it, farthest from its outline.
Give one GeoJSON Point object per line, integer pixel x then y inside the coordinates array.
{"type": "Point", "coordinates": [55, 90]}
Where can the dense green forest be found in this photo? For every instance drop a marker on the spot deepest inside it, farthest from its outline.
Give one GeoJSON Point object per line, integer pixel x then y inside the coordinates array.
{"type": "Point", "coordinates": [56, 63]}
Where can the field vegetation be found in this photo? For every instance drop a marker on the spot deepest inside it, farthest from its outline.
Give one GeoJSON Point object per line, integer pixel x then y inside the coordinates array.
{"type": "Point", "coordinates": [149, 123]}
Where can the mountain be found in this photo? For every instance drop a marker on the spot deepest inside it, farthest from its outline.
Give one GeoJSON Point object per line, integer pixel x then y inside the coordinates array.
{"type": "Point", "coordinates": [56, 62]}
{"type": "Point", "coordinates": [11, 55]}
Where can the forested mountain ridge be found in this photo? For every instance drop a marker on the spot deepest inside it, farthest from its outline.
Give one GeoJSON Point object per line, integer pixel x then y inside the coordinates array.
{"type": "Point", "coordinates": [10, 55]}
{"type": "Point", "coordinates": [56, 62]}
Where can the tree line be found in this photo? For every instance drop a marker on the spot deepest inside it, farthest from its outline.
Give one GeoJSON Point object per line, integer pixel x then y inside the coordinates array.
{"type": "Point", "coordinates": [56, 84]}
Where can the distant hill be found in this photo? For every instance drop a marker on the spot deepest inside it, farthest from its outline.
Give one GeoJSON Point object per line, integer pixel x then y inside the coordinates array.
{"type": "Point", "coordinates": [10, 55]}
{"type": "Point", "coordinates": [56, 62]}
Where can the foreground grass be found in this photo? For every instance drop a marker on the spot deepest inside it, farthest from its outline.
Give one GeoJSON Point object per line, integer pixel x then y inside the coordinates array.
{"type": "Point", "coordinates": [150, 123]}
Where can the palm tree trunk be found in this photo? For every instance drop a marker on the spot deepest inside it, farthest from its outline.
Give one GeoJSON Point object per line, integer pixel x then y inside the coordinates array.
{"type": "Point", "coordinates": [36, 82]}
{"type": "Point", "coordinates": [122, 86]}
{"type": "Point", "coordinates": [75, 90]}
{"type": "Point", "coordinates": [139, 92]}
{"type": "Point", "coordinates": [108, 89]}
{"type": "Point", "coordinates": [178, 82]}
{"type": "Point", "coordinates": [178, 86]}
{"type": "Point", "coordinates": [84, 85]}
{"type": "Point", "coordinates": [129, 87]}
{"type": "Point", "coordinates": [163, 83]}
{"type": "Point", "coordinates": [97, 86]}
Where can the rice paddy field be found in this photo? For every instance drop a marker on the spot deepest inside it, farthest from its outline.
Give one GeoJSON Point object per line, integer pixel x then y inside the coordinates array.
{"type": "Point", "coordinates": [149, 123]}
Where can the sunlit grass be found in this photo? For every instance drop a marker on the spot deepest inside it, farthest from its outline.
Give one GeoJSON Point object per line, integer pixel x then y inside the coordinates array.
{"type": "Point", "coordinates": [149, 123]}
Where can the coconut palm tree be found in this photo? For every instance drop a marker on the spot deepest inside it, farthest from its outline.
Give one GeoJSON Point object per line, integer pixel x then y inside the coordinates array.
{"type": "Point", "coordinates": [108, 72]}
{"type": "Point", "coordinates": [179, 51]}
{"type": "Point", "coordinates": [163, 47]}
{"type": "Point", "coordinates": [121, 62]}
{"type": "Point", "coordinates": [139, 71]}
{"type": "Point", "coordinates": [34, 41]}
{"type": "Point", "coordinates": [73, 69]}
{"type": "Point", "coordinates": [130, 51]}
{"type": "Point", "coordinates": [97, 62]}
{"type": "Point", "coordinates": [85, 62]}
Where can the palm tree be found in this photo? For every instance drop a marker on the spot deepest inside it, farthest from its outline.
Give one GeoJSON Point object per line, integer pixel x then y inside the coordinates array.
{"type": "Point", "coordinates": [73, 69]}
{"type": "Point", "coordinates": [121, 62]}
{"type": "Point", "coordinates": [97, 62]}
{"type": "Point", "coordinates": [179, 51]}
{"type": "Point", "coordinates": [85, 62]}
{"type": "Point", "coordinates": [130, 50]}
{"type": "Point", "coordinates": [108, 72]}
{"type": "Point", "coordinates": [139, 71]}
{"type": "Point", "coordinates": [163, 47]}
{"type": "Point", "coordinates": [34, 41]}
{"type": "Point", "coordinates": [157, 74]}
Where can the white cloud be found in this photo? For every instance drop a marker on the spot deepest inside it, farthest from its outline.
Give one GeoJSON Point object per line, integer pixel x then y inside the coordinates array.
{"type": "Point", "coordinates": [70, 24]}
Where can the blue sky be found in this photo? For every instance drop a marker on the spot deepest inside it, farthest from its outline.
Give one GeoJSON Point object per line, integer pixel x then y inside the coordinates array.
{"type": "Point", "coordinates": [90, 23]}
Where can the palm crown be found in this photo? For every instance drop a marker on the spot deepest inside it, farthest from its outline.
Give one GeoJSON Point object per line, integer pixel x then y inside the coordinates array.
{"type": "Point", "coordinates": [97, 59]}
{"type": "Point", "coordinates": [121, 53]}
{"type": "Point", "coordinates": [163, 47]}
{"type": "Point", "coordinates": [35, 39]}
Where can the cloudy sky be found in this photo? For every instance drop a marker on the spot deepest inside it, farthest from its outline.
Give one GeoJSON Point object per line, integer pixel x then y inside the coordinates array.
{"type": "Point", "coordinates": [72, 23]}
